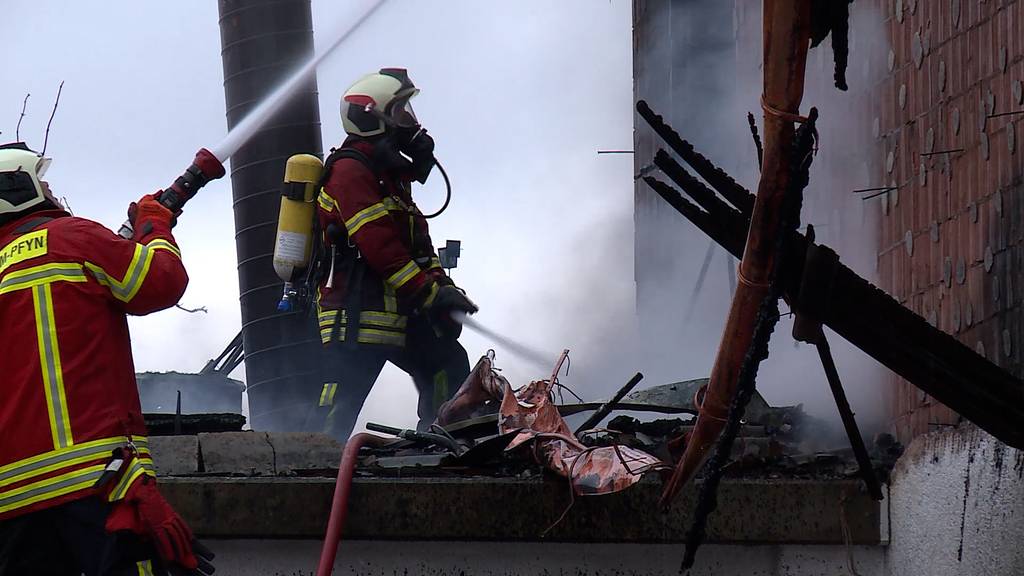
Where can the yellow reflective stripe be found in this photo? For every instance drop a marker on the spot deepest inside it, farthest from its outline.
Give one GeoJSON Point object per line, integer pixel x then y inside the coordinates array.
{"type": "Point", "coordinates": [368, 317]}
{"type": "Point", "coordinates": [145, 567]}
{"type": "Point", "coordinates": [440, 388]}
{"type": "Point", "coordinates": [50, 488]}
{"type": "Point", "coordinates": [61, 457]}
{"type": "Point", "coordinates": [372, 336]}
{"type": "Point", "coordinates": [429, 300]}
{"type": "Point", "coordinates": [402, 277]}
{"type": "Point", "coordinates": [327, 394]}
{"type": "Point", "coordinates": [434, 263]}
{"type": "Point", "coordinates": [367, 336]}
{"type": "Point", "coordinates": [126, 288]}
{"type": "Point", "coordinates": [43, 274]}
{"type": "Point", "coordinates": [325, 201]}
{"type": "Point", "coordinates": [325, 334]}
{"type": "Point", "coordinates": [161, 244]}
{"type": "Point", "coordinates": [390, 204]}
{"type": "Point", "coordinates": [383, 319]}
{"type": "Point", "coordinates": [22, 248]}
{"type": "Point", "coordinates": [53, 375]}
{"type": "Point", "coordinates": [140, 466]}
{"type": "Point", "coordinates": [390, 299]}
{"type": "Point", "coordinates": [364, 217]}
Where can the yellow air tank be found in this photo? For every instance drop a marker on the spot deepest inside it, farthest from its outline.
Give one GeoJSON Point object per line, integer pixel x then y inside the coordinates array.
{"type": "Point", "coordinates": [295, 221]}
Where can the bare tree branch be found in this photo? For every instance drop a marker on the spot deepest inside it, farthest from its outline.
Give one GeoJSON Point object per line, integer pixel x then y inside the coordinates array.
{"type": "Point", "coordinates": [17, 131]}
{"type": "Point", "coordinates": [192, 310]}
{"type": "Point", "coordinates": [52, 114]}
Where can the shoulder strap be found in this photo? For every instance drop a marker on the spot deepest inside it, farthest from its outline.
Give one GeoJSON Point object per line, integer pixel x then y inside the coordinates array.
{"type": "Point", "coordinates": [341, 153]}
{"type": "Point", "coordinates": [31, 224]}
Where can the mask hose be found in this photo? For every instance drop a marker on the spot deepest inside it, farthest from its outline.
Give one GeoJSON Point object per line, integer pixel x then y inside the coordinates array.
{"type": "Point", "coordinates": [448, 196]}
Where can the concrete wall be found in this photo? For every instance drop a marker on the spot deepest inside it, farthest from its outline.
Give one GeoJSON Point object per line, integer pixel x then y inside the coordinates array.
{"type": "Point", "coordinates": [298, 558]}
{"type": "Point", "coordinates": [957, 506]}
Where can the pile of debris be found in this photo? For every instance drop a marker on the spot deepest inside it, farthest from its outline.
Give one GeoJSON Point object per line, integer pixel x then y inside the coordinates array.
{"type": "Point", "coordinates": [491, 429]}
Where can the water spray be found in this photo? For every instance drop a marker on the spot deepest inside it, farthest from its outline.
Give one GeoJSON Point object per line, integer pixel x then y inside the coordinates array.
{"type": "Point", "coordinates": [209, 164]}
{"type": "Point", "coordinates": [523, 351]}
{"type": "Point", "coordinates": [255, 120]}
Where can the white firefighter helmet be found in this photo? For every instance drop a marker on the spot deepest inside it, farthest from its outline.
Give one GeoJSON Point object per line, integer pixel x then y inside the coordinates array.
{"type": "Point", "coordinates": [21, 171]}
{"type": "Point", "coordinates": [379, 101]}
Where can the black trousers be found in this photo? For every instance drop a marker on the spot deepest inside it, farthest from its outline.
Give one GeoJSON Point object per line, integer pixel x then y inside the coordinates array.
{"type": "Point", "coordinates": [438, 366]}
{"type": "Point", "coordinates": [71, 540]}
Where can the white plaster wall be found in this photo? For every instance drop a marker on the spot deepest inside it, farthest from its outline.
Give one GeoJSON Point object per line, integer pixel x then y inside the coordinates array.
{"type": "Point", "coordinates": [957, 507]}
{"type": "Point", "coordinates": [376, 558]}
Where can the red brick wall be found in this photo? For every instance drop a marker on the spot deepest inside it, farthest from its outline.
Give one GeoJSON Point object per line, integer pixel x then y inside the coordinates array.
{"type": "Point", "coordinates": [950, 245]}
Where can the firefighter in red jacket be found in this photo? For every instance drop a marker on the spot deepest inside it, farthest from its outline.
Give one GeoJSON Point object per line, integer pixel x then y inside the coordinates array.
{"type": "Point", "coordinates": [385, 296]}
{"type": "Point", "coordinates": [77, 484]}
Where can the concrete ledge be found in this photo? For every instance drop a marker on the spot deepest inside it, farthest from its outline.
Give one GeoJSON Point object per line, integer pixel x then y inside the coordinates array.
{"type": "Point", "coordinates": [749, 511]}
{"type": "Point", "coordinates": [302, 451]}
{"type": "Point", "coordinates": [242, 453]}
{"type": "Point", "coordinates": [175, 455]}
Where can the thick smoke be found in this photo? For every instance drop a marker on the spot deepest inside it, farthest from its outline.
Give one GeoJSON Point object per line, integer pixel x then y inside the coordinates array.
{"type": "Point", "coordinates": [704, 77]}
{"type": "Point", "coordinates": [560, 254]}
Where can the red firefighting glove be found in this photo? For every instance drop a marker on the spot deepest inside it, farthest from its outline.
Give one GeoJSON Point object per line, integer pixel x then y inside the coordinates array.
{"type": "Point", "coordinates": [144, 511]}
{"type": "Point", "coordinates": [149, 216]}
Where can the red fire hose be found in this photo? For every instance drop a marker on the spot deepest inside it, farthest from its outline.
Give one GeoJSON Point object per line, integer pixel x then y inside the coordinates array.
{"type": "Point", "coordinates": [339, 506]}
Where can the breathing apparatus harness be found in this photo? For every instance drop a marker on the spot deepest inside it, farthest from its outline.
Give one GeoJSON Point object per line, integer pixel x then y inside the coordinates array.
{"type": "Point", "coordinates": [338, 248]}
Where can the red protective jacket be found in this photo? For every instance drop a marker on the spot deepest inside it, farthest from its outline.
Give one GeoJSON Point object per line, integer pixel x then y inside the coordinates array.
{"type": "Point", "coordinates": [68, 396]}
{"type": "Point", "coordinates": [388, 239]}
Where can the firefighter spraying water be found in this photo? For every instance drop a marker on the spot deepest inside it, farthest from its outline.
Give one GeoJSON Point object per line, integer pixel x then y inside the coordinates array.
{"type": "Point", "coordinates": [78, 467]}
{"type": "Point", "coordinates": [208, 163]}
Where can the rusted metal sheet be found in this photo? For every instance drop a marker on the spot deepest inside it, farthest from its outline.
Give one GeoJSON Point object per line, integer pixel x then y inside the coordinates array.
{"type": "Point", "coordinates": [477, 396]}
{"type": "Point", "coordinates": [590, 470]}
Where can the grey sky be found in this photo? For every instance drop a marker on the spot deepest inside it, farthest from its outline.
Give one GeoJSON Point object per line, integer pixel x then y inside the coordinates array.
{"type": "Point", "coordinates": [518, 95]}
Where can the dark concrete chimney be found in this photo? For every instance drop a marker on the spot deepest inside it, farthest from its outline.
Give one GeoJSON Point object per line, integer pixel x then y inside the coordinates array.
{"type": "Point", "coordinates": [263, 42]}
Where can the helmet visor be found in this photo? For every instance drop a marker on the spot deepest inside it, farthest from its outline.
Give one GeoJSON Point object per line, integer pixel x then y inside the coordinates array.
{"type": "Point", "coordinates": [402, 114]}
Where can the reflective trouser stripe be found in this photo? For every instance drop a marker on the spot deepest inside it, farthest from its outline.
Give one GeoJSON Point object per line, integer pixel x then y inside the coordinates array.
{"type": "Point", "coordinates": [367, 336]}
{"type": "Point", "coordinates": [404, 275]}
{"type": "Point", "coordinates": [366, 318]}
{"type": "Point", "coordinates": [390, 299]}
{"type": "Point", "coordinates": [145, 568]}
{"type": "Point", "coordinates": [327, 394]}
{"type": "Point", "coordinates": [53, 375]}
{"type": "Point", "coordinates": [50, 488]}
{"type": "Point", "coordinates": [141, 465]}
{"type": "Point", "coordinates": [371, 336]}
{"type": "Point", "coordinates": [440, 388]}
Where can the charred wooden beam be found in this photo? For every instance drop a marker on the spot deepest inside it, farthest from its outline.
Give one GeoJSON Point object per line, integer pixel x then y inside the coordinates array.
{"type": "Point", "coordinates": [895, 336]}
{"type": "Point", "coordinates": [731, 190]}
{"type": "Point", "coordinates": [713, 227]}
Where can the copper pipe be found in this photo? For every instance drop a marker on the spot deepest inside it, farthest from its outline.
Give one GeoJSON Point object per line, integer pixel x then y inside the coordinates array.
{"type": "Point", "coordinates": [339, 506]}
{"type": "Point", "coordinates": [786, 40]}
